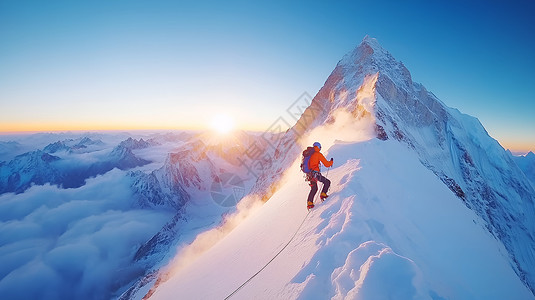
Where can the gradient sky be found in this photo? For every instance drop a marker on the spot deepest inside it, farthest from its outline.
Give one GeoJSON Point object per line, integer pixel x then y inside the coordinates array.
{"type": "Point", "coordinates": [81, 65]}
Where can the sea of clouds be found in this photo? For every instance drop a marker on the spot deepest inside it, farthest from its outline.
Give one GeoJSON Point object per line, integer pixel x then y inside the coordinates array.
{"type": "Point", "coordinates": [79, 242]}
{"type": "Point", "coordinates": [73, 243]}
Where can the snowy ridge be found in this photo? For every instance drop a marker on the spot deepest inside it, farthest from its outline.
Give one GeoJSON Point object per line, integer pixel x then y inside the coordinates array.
{"type": "Point", "coordinates": [386, 236]}
{"type": "Point", "coordinates": [184, 184]}
{"type": "Point", "coordinates": [432, 208]}
{"type": "Point", "coordinates": [454, 146]}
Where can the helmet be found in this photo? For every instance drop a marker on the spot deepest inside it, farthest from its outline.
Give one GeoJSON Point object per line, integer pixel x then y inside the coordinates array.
{"type": "Point", "coordinates": [317, 144]}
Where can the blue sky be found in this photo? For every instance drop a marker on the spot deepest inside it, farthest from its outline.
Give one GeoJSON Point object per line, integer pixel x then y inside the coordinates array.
{"type": "Point", "coordinates": [170, 64]}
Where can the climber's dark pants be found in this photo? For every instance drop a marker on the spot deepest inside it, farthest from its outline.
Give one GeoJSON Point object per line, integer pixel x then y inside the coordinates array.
{"type": "Point", "coordinates": [314, 178]}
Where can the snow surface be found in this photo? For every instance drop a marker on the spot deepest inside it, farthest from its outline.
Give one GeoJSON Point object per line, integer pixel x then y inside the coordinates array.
{"type": "Point", "coordinates": [426, 213]}
{"type": "Point", "coordinates": [454, 146]}
{"type": "Point", "coordinates": [390, 230]}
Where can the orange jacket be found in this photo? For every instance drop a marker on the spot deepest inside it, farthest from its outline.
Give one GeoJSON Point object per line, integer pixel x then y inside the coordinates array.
{"type": "Point", "coordinates": [315, 158]}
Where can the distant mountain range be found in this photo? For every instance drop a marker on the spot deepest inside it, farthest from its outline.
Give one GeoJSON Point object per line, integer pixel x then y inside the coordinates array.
{"type": "Point", "coordinates": [66, 169]}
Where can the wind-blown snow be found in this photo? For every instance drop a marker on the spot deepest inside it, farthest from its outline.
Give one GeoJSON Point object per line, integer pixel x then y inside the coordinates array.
{"type": "Point", "coordinates": [93, 240]}
{"type": "Point", "coordinates": [390, 229]}
{"type": "Point", "coordinates": [421, 212]}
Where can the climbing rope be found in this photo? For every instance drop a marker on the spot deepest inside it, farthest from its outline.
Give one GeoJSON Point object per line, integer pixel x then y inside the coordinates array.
{"type": "Point", "coordinates": [280, 251]}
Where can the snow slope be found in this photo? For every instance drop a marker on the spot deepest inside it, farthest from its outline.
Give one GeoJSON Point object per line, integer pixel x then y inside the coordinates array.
{"type": "Point", "coordinates": [390, 229]}
{"type": "Point", "coordinates": [369, 82]}
{"type": "Point", "coordinates": [431, 209]}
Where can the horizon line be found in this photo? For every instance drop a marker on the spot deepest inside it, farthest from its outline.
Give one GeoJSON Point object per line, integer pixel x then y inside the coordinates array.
{"type": "Point", "coordinates": [520, 150]}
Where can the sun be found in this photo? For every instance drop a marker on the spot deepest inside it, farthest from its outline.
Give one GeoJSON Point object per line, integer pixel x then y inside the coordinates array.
{"type": "Point", "coordinates": [222, 123]}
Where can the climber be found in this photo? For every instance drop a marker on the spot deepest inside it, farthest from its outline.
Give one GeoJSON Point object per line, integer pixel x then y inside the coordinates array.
{"type": "Point", "coordinates": [314, 175]}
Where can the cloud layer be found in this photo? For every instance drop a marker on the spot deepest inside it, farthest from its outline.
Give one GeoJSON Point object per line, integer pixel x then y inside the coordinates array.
{"type": "Point", "coordinates": [72, 243]}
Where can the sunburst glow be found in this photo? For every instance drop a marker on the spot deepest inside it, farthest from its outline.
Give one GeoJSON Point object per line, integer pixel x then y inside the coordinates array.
{"type": "Point", "coordinates": [222, 123]}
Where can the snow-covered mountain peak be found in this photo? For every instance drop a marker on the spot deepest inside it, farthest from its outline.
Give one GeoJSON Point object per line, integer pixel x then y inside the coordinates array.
{"type": "Point", "coordinates": [424, 204]}
{"type": "Point", "coordinates": [364, 73]}
{"type": "Point", "coordinates": [455, 146]}
{"type": "Point", "coordinates": [370, 57]}
{"type": "Point", "coordinates": [377, 91]}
